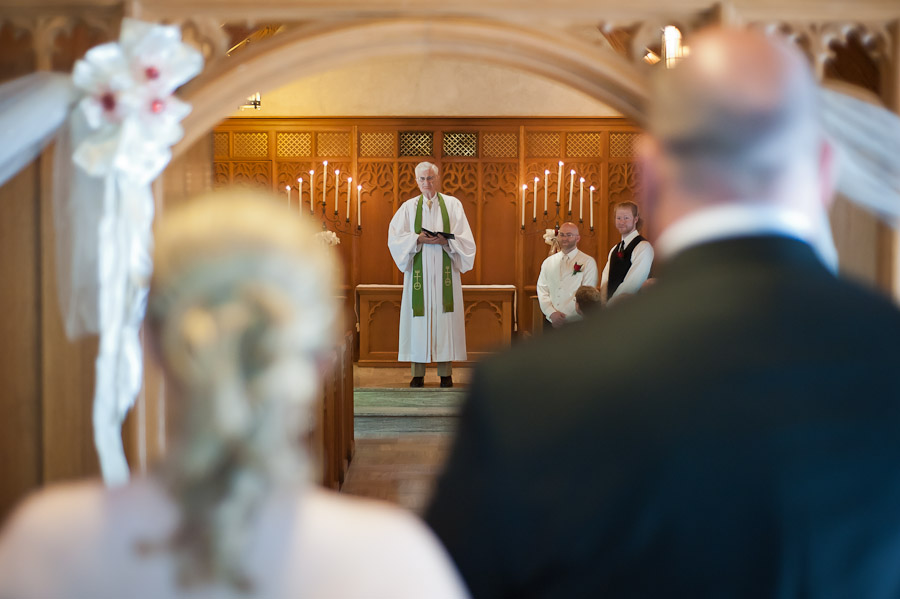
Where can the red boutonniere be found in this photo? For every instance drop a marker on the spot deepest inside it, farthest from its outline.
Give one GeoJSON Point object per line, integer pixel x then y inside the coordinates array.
{"type": "Point", "coordinates": [620, 254]}
{"type": "Point", "coordinates": [577, 268]}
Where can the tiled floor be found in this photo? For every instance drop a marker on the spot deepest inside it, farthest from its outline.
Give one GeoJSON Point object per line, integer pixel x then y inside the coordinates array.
{"type": "Point", "coordinates": [402, 434]}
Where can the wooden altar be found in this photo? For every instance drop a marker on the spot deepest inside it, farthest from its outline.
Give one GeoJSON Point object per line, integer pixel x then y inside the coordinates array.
{"type": "Point", "coordinates": [489, 312]}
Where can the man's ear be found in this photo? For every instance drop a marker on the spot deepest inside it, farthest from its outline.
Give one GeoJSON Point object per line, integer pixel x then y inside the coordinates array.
{"type": "Point", "coordinates": [827, 173]}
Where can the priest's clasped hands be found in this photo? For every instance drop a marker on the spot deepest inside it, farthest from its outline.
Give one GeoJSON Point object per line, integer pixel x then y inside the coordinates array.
{"type": "Point", "coordinates": [425, 238]}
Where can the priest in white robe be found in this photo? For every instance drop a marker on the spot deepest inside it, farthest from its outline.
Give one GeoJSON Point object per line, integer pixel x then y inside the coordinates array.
{"type": "Point", "coordinates": [432, 315]}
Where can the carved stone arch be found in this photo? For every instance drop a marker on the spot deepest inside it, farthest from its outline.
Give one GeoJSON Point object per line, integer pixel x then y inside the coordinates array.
{"type": "Point", "coordinates": [316, 48]}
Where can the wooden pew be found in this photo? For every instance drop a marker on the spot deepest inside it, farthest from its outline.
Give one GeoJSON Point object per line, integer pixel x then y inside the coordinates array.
{"type": "Point", "coordinates": [331, 434]}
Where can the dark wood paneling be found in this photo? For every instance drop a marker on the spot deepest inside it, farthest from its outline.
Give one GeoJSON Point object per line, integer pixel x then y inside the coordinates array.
{"type": "Point", "coordinates": [67, 369]}
{"type": "Point", "coordinates": [17, 54]}
{"type": "Point", "coordinates": [375, 262]}
{"type": "Point", "coordinates": [460, 179]}
{"type": "Point", "coordinates": [498, 230]}
{"type": "Point", "coordinates": [19, 343]}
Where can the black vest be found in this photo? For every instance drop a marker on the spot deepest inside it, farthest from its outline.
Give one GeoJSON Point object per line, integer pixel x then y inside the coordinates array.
{"type": "Point", "coordinates": [619, 263]}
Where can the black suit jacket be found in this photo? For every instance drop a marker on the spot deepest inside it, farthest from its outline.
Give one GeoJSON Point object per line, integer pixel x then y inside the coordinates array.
{"type": "Point", "coordinates": [733, 431]}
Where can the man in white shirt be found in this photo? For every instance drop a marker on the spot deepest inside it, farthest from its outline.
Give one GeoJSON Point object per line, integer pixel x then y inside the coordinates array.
{"type": "Point", "coordinates": [561, 276]}
{"type": "Point", "coordinates": [629, 261]}
{"type": "Point", "coordinates": [432, 316]}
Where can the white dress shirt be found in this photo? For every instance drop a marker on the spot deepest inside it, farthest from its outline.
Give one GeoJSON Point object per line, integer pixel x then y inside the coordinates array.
{"type": "Point", "coordinates": [558, 282]}
{"type": "Point", "coordinates": [724, 222]}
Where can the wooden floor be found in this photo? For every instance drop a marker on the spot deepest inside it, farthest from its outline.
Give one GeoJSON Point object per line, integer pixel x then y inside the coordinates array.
{"type": "Point", "coordinates": [402, 434]}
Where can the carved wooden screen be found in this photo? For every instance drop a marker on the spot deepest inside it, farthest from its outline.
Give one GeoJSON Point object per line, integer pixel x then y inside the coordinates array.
{"type": "Point", "coordinates": [483, 162]}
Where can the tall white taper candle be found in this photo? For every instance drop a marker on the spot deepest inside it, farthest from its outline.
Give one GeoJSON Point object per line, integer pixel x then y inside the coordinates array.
{"type": "Point", "coordinates": [571, 188]}
{"type": "Point", "coordinates": [300, 194]}
{"type": "Point", "coordinates": [349, 181]}
{"type": "Point", "coordinates": [324, 181]}
{"type": "Point", "coordinates": [592, 208]}
{"type": "Point", "coordinates": [524, 188]}
{"type": "Point", "coordinates": [337, 181]}
{"type": "Point", "coordinates": [358, 206]}
{"type": "Point", "coordinates": [546, 173]}
{"type": "Point", "coordinates": [312, 189]}
{"type": "Point", "coordinates": [559, 185]}
{"type": "Point", "coordinates": [534, 202]}
{"type": "Point", "coordinates": [581, 201]}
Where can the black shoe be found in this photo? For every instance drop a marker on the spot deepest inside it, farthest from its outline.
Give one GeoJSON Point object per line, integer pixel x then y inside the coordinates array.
{"type": "Point", "coordinates": [446, 381]}
{"type": "Point", "coordinates": [417, 381]}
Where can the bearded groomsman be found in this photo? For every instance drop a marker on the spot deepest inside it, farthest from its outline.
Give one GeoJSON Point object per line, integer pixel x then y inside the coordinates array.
{"type": "Point", "coordinates": [629, 261]}
{"type": "Point", "coordinates": [561, 276]}
{"type": "Point", "coordinates": [431, 243]}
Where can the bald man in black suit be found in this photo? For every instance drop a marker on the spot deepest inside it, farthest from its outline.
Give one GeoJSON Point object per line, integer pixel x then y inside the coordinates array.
{"type": "Point", "coordinates": [733, 431]}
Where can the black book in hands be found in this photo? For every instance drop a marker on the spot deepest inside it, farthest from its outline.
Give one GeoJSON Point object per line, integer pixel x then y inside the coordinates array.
{"type": "Point", "coordinates": [441, 233]}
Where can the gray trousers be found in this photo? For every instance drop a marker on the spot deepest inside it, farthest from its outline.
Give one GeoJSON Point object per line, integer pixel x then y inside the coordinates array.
{"type": "Point", "coordinates": [443, 368]}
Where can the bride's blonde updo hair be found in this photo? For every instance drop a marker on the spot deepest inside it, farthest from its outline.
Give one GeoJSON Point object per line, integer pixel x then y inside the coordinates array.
{"type": "Point", "coordinates": [242, 309]}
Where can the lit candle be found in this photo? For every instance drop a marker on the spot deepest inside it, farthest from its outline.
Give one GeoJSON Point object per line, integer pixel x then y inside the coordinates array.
{"type": "Point", "coordinates": [287, 188]}
{"type": "Point", "coordinates": [337, 181]}
{"type": "Point", "coordinates": [534, 203]}
{"type": "Point", "coordinates": [559, 185]}
{"type": "Point", "coordinates": [300, 194]}
{"type": "Point", "coordinates": [524, 188]}
{"type": "Point", "coordinates": [358, 207]}
{"type": "Point", "coordinates": [349, 180]}
{"type": "Point", "coordinates": [324, 180]}
{"type": "Point", "coordinates": [312, 189]}
{"type": "Point", "coordinates": [581, 201]}
{"type": "Point", "coordinates": [546, 173]}
{"type": "Point", "coordinates": [592, 207]}
{"type": "Point", "coordinates": [571, 188]}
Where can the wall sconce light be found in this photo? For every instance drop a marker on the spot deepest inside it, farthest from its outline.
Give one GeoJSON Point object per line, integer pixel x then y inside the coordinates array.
{"type": "Point", "coordinates": [254, 102]}
{"type": "Point", "coordinates": [673, 49]}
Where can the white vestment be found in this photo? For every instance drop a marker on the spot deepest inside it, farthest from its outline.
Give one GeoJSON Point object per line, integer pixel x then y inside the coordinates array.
{"type": "Point", "coordinates": [557, 284]}
{"type": "Point", "coordinates": [437, 336]}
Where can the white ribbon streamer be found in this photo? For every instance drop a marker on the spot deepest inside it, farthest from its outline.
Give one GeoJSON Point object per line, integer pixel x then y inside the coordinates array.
{"type": "Point", "coordinates": [122, 133]}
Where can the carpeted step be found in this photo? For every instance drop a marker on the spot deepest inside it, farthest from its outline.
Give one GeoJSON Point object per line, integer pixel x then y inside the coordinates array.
{"type": "Point", "coordinates": [407, 402]}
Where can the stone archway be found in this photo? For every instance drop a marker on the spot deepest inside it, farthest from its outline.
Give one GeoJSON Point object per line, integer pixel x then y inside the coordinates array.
{"type": "Point", "coordinates": [598, 73]}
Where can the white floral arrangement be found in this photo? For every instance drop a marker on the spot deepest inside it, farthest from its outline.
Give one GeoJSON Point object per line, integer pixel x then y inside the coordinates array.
{"type": "Point", "coordinates": [128, 104]}
{"type": "Point", "coordinates": [328, 238]}
{"type": "Point", "coordinates": [551, 240]}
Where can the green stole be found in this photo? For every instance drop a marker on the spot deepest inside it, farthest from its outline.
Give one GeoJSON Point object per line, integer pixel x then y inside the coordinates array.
{"type": "Point", "coordinates": [418, 293]}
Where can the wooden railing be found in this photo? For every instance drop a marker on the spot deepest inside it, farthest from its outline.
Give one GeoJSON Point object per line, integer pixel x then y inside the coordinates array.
{"type": "Point", "coordinates": [332, 434]}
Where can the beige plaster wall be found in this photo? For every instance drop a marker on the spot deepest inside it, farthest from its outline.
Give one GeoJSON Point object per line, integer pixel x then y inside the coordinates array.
{"type": "Point", "coordinates": [416, 87]}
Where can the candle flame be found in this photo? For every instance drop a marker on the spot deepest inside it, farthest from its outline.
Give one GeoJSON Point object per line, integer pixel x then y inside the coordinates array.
{"type": "Point", "coordinates": [592, 188]}
{"type": "Point", "coordinates": [299, 179]}
{"type": "Point", "coordinates": [311, 173]}
{"type": "Point", "coordinates": [546, 172]}
{"type": "Point", "coordinates": [337, 171]}
{"type": "Point", "coordinates": [582, 179]}
{"type": "Point", "coordinates": [358, 187]}
{"type": "Point", "coordinates": [572, 171]}
{"type": "Point", "coordinates": [349, 179]}
{"type": "Point", "coordinates": [524, 186]}
{"type": "Point", "coordinates": [535, 179]}
{"type": "Point", "coordinates": [325, 163]}
{"type": "Point", "coordinates": [560, 163]}
{"type": "Point", "coordinates": [287, 187]}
